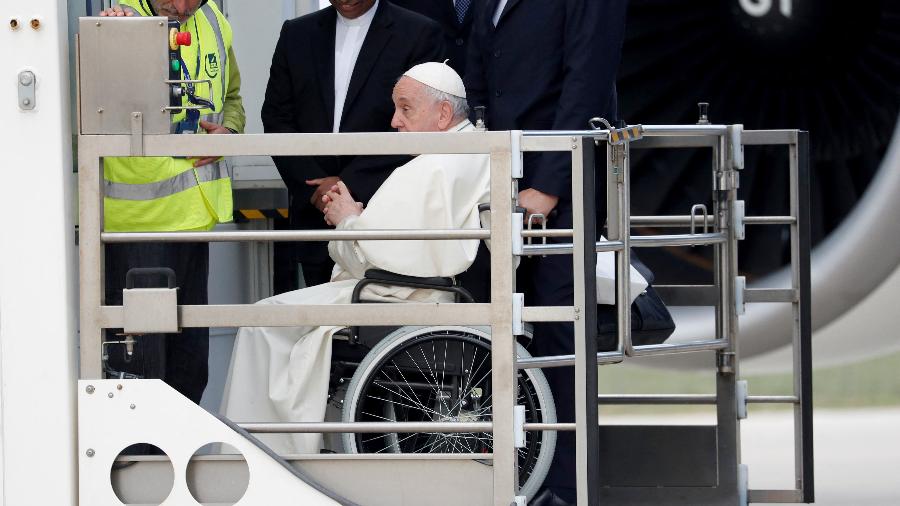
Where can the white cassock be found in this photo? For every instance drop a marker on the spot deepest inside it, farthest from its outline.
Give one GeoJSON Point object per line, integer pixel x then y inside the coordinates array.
{"type": "Point", "coordinates": [280, 374]}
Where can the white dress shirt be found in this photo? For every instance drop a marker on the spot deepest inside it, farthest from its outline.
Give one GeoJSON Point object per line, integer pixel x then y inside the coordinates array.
{"type": "Point", "coordinates": [500, 7]}
{"type": "Point", "coordinates": [348, 40]}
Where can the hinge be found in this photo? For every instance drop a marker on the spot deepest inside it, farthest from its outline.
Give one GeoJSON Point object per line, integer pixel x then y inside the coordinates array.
{"type": "Point", "coordinates": [738, 212]}
{"type": "Point", "coordinates": [727, 180]}
{"type": "Point", "coordinates": [743, 485]}
{"type": "Point", "coordinates": [519, 422]}
{"type": "Point", "coordinates": [740, 285]}
{"type": "Point", "coordinates": [516, 166]}
{"type": "Point", "coordinates": [741, 390]}
{"type": "Point", "coordinates": [518, 226]}
{"type": "Point", "coordinates": [725, 362]}
{"type": "Point", "coordinates": [735, 147]}
{"type": "Point", "coordinates": [518, 306]}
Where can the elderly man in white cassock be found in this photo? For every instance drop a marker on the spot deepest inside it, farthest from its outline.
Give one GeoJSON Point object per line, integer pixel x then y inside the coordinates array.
{"type": "Point", "coordinates": [280, 374]}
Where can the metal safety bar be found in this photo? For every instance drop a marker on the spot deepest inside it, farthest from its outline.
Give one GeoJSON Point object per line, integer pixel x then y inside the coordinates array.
{"type": "Point", "coordinates": [366, 427]}
{"type": "Point", "coordinates": [686, 399]}
{"type": "Point", "coordinates": [294, 236]}
{"type": "Point", "coordinates": [685, 221]}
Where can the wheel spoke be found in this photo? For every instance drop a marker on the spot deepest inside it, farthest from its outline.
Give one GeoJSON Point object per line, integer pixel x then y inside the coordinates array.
{"type": "Point", "coordinates": [424, 390]}
{"type": "Point", "coordinates": [438, 390]}
{"type": "Point", "coordinates": [418, 401]}
{"type": "Point", "coordinates": [397, 443]}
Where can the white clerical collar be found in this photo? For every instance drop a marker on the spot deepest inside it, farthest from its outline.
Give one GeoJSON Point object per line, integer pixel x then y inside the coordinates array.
{"type": "Point", "coordinates": [363, 20]}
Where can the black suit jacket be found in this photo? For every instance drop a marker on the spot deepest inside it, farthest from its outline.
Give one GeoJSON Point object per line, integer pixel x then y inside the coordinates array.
{"type": "Point", "coordinates": [456, 34]}
{"type": "Point", "coordinates": [300, 98]}
{"type": "Point", "coordinates": [547, 65]}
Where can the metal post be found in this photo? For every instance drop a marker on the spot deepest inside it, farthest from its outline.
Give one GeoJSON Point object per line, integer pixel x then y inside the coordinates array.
{"type": "Point", "coordinates": [802, 320]}
{"type": "Point", "coordinates": [728, 429]}
{"type": "Point", "coordinates": [90, 223]}
{"type": "Point", "coordinates": [503, 372]}
{"type": "Point", "coordinates": [620, 163]}
{"type": "Point", "coordinates": [584, 257]}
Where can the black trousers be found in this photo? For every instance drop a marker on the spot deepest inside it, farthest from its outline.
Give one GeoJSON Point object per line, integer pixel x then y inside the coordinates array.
{"type": "Point", "coordinates": [308, 260]}
{"type": "Point", "coordinates": [548, 282]}
{"type": "Point", "coordinates": [181, 360]}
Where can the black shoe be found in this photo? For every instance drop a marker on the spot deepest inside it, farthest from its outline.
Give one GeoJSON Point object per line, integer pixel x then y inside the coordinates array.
{"type": "Point", "coordinates": [551, 497]}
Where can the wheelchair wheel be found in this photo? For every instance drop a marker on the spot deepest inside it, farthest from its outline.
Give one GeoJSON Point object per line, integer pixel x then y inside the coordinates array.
{"type": "Point", "coordinates": [443, 374]}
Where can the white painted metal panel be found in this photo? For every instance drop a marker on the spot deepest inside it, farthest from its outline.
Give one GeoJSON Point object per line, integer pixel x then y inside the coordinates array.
{"type": "Point", "coordinates": [111, 418]}
{"type": "Point", "coordinates": [37, 248]}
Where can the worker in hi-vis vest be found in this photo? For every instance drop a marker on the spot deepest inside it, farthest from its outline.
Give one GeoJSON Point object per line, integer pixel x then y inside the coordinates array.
{"type": "Point", "coordinates": [156, 194]}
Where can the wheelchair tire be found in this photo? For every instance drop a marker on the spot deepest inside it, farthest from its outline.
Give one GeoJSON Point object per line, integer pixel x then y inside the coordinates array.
{"type": "Point", "coordinates": [405, 378]}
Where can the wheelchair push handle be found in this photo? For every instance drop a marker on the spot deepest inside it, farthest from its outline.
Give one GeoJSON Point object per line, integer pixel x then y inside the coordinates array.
{"type": "Point", "coordinates": [149, 271]}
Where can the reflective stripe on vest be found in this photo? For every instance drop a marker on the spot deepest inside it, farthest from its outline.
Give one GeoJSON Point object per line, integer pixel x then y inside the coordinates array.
{"type": "Point", "coordinates": [223, 65]}
{"type": "Point", "coordinates": [186, 180]}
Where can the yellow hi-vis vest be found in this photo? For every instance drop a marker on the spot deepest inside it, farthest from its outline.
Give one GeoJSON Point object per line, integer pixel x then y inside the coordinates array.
{"type": "Point", "coordinates": [161, 194]}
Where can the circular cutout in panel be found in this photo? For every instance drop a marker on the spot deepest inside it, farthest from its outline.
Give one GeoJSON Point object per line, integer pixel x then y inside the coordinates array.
{"type": "Point", "coordinates": [218, 474]}
{"type": "Point", "coordinates": [142, 474]}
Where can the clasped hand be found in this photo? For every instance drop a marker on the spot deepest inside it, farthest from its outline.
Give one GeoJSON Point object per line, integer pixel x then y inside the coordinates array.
{"type": "Point", "coordinates": [339, 204]}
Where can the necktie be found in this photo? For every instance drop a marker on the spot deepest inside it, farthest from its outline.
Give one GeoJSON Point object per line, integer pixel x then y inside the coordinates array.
{"type": "Point", "coordinates": [462, 6]}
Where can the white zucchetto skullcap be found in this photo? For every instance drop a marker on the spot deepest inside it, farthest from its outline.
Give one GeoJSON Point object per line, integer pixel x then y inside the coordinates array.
{"type": "Point", "coordinates": [439, 76]}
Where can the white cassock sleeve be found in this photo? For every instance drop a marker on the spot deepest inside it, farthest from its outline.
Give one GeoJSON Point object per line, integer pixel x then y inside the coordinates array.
{"type": "Point", "coordinates": [430, 192]}
{"type": "Point", "coordinates": [347, 254]}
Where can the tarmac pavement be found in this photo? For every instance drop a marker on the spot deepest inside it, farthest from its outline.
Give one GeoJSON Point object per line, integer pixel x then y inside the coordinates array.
{"type": "Point", "coordinates": [857, 451]}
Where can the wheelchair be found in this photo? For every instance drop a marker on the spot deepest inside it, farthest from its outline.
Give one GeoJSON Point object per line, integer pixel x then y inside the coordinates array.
{"type": "Point", "coordinates": [432, 374]}
{"type": "Point", "coordinates": [443, 374]}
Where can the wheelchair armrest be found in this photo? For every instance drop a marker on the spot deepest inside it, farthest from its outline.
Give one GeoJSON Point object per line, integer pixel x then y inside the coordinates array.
{"type": "Point", "coordinates": [391, 278]}
{"type": "Point", "coordinates": [487, 207]}
{"type": "Point", "coordinates": [380, 277]}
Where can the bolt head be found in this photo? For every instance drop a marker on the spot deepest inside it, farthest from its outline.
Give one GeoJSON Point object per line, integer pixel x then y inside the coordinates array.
{"type": "Point", "coordinates": [89, 389]}
{"type": "Point", "coordinates": [132, 406]}
{"type": "Point", "coordinates": [26, 102]}
{"type": "Point", "coordinates": [90, 452]}
{"type": "Point", "coordinates": [119, 387]}
{"type": "Point", "coordinates": [110, 395]}
{"type": "Point", "coordinates": [26, 78]}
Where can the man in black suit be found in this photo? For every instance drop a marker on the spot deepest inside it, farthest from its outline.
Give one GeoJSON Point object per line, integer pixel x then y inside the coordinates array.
{"type": "Point", "coordinates": [539, 65]}
{"type": "Point", "coordinates": [455, 17]}
{"type": "Point", "coordinates": [351, 53]}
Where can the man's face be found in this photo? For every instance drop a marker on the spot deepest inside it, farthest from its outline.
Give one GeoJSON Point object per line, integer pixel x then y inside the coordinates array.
{"type": "Point", "coordinates": [176, 9]}
{"type": "Point", "coordinates": [352, 9]}
{"type": "Point", "coordinates": [414, 111]}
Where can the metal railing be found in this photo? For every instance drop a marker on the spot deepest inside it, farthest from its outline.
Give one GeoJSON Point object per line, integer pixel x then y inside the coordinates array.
{"type": "Point", "coordinates": [505, 150]}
